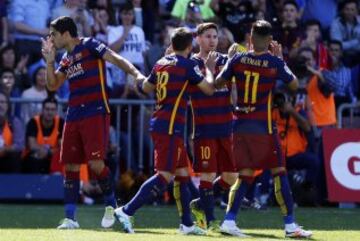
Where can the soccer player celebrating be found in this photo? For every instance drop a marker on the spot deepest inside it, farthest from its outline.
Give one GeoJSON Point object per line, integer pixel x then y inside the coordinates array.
{"type": "Point", "coordinates": [255, 138]}
{"type": "Point", "coordinates": [86, 129]}
{"type": "Point", "coordinates": [212, 130]}
{"type": "Point", "coordinates": [170, 78]}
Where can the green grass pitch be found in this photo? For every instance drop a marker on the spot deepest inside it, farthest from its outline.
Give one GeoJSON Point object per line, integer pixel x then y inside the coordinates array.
{"type": "Point", "coordinates": [38, 222]}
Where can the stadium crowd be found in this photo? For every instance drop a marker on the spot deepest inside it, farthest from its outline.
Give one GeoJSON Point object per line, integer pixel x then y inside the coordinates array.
{"type": "Point", "coordinates": [320, 40]}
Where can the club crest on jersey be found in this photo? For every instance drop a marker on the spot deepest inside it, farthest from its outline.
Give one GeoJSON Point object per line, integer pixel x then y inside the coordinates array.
{"type": "Point", "coordinates": [78, 56]}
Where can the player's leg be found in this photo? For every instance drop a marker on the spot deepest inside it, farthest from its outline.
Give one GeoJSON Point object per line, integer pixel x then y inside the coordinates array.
{"type": "Point", "coordinates": [205, 163]}
{"type": "Point", "coordinates": [227, 167]}
{"type": "Point", "coordinates": [165, 153]}
{"type": "Point", "coordinates": [182, 193]}
{"type": "Point", "coordinates": [71, 155]}
{"type": "Point", "coordinates": [283, 193]}
{"type": "Point", "coordinates": [95, 152]}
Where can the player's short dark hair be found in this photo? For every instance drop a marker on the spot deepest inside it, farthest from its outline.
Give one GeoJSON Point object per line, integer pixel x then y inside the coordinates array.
{"type": "Point", "coordinates": [291, 2]}
{"type": "Point", "coordinates": [337, 42]}
{"type": "Point", "coordinates": [50, 99]}
{"type": "Point", "coordinates": [181, 39]}
{"type": "Point", "coordinates": [63, 24]}
{"type": "Point", "coordinates": [201, 28]}
{"type": "Point", "coordinates": [262, 28]}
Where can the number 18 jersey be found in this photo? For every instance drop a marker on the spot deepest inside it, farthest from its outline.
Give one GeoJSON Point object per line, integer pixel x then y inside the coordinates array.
{"type": "Point", "coordinates": [172, 76]}
{"type": "Point", "coordinates": [255, 75]}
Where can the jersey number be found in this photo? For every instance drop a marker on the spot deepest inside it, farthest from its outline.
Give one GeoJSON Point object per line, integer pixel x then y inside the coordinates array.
{"type": "Point", "coordinates": [162, 80]}
{"type": "Point", "coordinates": [205, 152]}
{"type": "Point", "coordinates": [255, 76]}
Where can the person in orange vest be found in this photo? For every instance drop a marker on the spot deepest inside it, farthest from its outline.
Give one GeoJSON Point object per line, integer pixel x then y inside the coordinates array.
{"type": "Point", "coordinates": [11, 138]}
{"type": "Point", "coordinates": [43, 134]}
{"type": "Point", "coordinates": [293, 127]}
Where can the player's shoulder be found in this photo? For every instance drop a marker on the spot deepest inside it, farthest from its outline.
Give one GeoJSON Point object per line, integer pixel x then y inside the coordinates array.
{"type": "Point", "coordinates": [221, 58]}
{"type": "Point", "coordinates": [171, 60]}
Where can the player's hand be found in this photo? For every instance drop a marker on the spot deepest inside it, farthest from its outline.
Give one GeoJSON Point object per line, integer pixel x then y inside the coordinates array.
{"type": "Point", "coordinates": [232, 50]}
{"type": "Point", "coordinates": [48, 50]}
{"type": "Point", "coordinates": [276, 49]}
{"type": "Point", "coordinates": [210, 61]}
{"type": "Point", "coordinates": [139, 78]}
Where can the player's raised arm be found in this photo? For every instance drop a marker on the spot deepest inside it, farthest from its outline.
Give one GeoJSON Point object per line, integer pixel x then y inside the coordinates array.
{"type": "Point", "coordinates": [54, 79]}
{"type": "Point", "coordinates": [124, 64]}
{"type": "Point", "coordinates": [225, 75]}
{"type": "Point", "coordinates": [207, 84]}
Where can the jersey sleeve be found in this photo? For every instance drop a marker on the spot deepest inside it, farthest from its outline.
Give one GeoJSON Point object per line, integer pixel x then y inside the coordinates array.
{"type": "Point", "coordinates": [152, 77]}
{"type": "Point", "coordinates": [64, 63]}
{"type": "Point", "coordinates": [227, 72]}
{"type": "Point", "coordinates": [285, 74]}
{"type": "Point", "coordinates": [194, 74]}
{"type": "Point", "coordinates": [95, 47]}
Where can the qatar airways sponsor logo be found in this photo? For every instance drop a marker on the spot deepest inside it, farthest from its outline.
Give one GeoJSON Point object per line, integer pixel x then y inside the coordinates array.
{"type": "Point", "coordinates": [74, 71]}
{"type": "Point", "coordinates": [345, 165]}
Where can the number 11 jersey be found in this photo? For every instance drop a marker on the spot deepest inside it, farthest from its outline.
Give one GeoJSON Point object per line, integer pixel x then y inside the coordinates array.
{"type": "Point", "coordinates": [256, 76]}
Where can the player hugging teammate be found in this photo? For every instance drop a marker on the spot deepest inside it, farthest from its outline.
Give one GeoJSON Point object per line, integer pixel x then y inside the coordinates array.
{"type": "Point", "coordinates": [233, 145]}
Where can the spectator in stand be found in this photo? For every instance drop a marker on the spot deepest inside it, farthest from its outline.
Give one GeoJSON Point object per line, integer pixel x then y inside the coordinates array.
{"type": "Point", "coordinates": [226, 39]}
{"type": "Point", "coordinates": [324, 11]}
{"type": "Point", "coordinates": [7, 83]}
{"type": "Point", "coordinates": [346, 28]}
{"type": "Point", "coordinates": [43, 135]}
{"type": "Point", "coordinates": [157, 50]}
{"type": "Point", "coordinates": [138, 13]}
{"type": "Point", "coordinates": [192, 17]}
{"type": "Point", "coordinates": [108, 5]}
{"type": "Point", "coordinates": [294, 127]}
{"type": "Point", "coordinates": [37, 91]}
{"type": "Point", "coordinates": [339, 76]}
{"type": "Point", "coordinates": [150, 16]}
{"type": "Point", "coordinates": [101, 24]}
{"type": "Point", "coordinates": [127, 40]}
{"type": "Point", "coordinates": [313, 40]}
{"type": "Point", "coordinates": [235, 15]}
{"type": "Point", "coordinates": [288, 34]}
{"type": "Point", "coordinates": [76, 9]}
{"type": "Point", "coordinates": [8, 61]}
{"type": "Point", "coordinates": [4, 34]}
{"type": "Point", "coordinates": [180, 9]}
{"type": "Point", "coordinates": [30, 19]}
{"type": "Point", "coordinates": [11, 138]}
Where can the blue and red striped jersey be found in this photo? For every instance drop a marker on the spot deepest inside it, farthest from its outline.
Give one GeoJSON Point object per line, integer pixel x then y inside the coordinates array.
{"type": "Point", "coordinates": [212, 115]}
{"type": "Point", "coordinates": [85, 70]}
{"type": "Point", "coordinates": [255, 77]}
{"type": "Point", "coordinates": [172, 76]}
